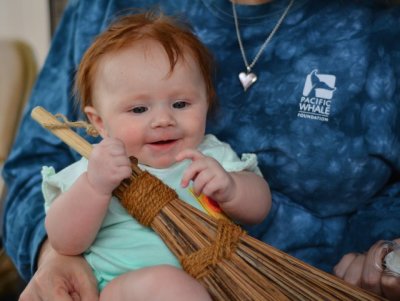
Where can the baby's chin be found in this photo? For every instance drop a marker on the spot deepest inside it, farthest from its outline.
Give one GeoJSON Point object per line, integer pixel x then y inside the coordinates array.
{"type": "Point", "coordinates": [161, 163]}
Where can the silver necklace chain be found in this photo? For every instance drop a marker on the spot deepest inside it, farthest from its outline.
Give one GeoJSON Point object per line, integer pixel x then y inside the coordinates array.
{"type": "Point", "coordinates": [267, 40]}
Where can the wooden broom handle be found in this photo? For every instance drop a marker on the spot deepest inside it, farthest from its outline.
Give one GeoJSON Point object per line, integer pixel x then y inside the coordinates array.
{"type": "Point", "coordinates": [63, 132]}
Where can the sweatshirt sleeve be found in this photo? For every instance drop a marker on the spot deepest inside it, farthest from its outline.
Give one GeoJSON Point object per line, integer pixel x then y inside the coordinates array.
{"type": "Point", "coordinates": [227, 157]}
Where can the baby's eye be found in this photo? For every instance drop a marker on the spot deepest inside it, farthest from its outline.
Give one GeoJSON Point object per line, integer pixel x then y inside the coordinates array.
{"type": "Point", "coordinates": [139, 110]}
{"type": "Point", "coordinates": [180, 104]}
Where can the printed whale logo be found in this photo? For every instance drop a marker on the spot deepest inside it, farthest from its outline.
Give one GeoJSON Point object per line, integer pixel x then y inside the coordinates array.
{"type": "Point", "coordinates": [323, 85]}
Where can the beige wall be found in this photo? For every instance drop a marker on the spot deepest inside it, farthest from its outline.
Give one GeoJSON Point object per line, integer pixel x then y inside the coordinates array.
{"type": "Point", "coordinates": [27, 20]}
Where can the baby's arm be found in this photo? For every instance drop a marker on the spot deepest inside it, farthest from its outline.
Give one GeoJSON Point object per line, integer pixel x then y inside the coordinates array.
{"type": "Point", "coordinates": [75, 217]}
{"type": "Point", "coordinates": [244, 196]}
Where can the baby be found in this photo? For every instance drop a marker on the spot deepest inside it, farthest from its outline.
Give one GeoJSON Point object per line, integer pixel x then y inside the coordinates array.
{"type": "Point", "coordinates": [146, 85]}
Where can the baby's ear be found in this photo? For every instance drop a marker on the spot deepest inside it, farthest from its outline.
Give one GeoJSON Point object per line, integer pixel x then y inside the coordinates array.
{"type": "Point", "coordinates": [96, 120]}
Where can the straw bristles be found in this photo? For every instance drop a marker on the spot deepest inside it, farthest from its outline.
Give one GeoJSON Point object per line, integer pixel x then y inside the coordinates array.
{"type": "Point", "coordinates": [254, 271]}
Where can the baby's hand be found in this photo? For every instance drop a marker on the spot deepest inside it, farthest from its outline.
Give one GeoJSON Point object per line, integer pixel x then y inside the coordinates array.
{"type": "Point", "coordinates": [208, 176]}
{"type": "Point", "coordinates": [108, 165]}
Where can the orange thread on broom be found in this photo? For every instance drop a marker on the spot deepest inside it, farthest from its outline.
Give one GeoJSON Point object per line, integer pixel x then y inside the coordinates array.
{"type": "Point", "coordinates": [145, 197]}
{"type": "Point", "coordinates": [227, 238]}
{"type": "Point", "coordinates": [65, 123]}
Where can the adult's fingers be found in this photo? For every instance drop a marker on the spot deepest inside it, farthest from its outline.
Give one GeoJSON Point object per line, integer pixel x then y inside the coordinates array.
{"type": "Point", "coordinates": [344, 263]}
{"type": "Point", "coordinates": [390, 286]}
{"type": "Point", "coordinates": [373, 269]}
{"type": "Point", "coordinates": [354, 272]}
{"type": "Point", "coordinates": [61, 278]}
{"type": "Point", "coordinates": [84, 284]}
{"type": "Point", "coordinates": [350, 268]}
{"type": "Point", "coordinates": [42, 288]}
{"type": "Point", "coordinates": [390, 281]}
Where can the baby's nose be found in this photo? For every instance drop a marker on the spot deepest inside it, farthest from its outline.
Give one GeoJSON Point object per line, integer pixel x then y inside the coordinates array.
{"type": "Point", "coordinates": [163, 120]}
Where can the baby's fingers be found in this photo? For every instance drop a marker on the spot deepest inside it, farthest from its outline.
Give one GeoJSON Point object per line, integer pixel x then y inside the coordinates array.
{"type": "Point", "coordinates": [194, 168]}
{"type": "Point", "coordinates": [189, 154]}
{"type": "Point", "coordinates": [202, 182]}
{"type": "Point", "coordinates": [189, 174]}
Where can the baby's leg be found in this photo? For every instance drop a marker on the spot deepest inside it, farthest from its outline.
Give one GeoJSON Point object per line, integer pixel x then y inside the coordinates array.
{"type": "Point", "coordinates": [158, 283]}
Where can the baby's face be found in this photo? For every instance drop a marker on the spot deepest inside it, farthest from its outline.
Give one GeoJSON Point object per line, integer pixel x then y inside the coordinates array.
{"type": "Point", "coordinates": [154, 112]}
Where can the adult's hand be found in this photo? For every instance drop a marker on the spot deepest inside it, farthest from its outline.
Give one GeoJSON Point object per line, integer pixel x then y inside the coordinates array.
{"type": "Point", "coordinates": [61, 278]}
{"type": "Point", "coordinates": [366, 271]}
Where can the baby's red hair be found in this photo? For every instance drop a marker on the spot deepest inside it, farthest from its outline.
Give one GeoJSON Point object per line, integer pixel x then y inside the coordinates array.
{"type": "Point", "coordinates": [174, 36]}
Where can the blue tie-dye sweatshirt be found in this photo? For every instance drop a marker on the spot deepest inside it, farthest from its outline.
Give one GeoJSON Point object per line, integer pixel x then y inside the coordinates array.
{"type": "Point", "coordinates": [323, 118]}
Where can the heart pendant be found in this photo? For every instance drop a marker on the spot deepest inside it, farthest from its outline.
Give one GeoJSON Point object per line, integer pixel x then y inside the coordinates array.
{"type": "Point", "coordinates": [247, 79]}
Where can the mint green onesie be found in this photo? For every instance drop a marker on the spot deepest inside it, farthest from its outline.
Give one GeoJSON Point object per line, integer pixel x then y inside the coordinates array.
{"type": "Point", "coordinates": [122, 244]}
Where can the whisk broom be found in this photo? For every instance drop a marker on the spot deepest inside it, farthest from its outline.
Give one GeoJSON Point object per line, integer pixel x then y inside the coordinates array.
{"type": "Point", "coordinates": [231, 264]}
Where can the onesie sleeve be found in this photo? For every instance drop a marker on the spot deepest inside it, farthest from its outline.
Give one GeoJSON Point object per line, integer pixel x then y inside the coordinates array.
{"type": "Point", "coordinates": [53, 184]}
{"type": "Point", "coordinates": [227, 157]}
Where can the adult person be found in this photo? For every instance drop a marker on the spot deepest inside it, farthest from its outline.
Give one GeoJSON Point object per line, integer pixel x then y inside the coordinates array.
{"type": "Point", "coordinates": [317, 99]}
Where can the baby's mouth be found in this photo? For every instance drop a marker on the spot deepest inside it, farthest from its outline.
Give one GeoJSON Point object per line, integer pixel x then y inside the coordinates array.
{"type": "Point", "coordinates": [163, 142]}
